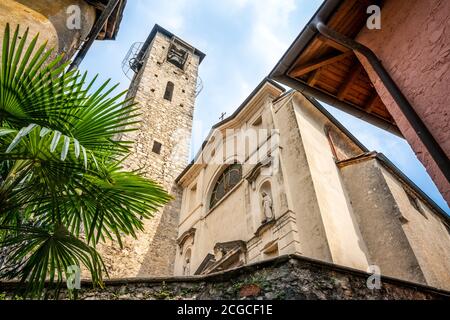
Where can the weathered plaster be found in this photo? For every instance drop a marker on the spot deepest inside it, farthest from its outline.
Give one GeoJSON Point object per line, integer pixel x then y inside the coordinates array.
{"type": "Point", "coordinates": [343, 207]}
{"type": "Point", "coordinates": [413, 45]}
{"type": "Point", "coordinates": [48, 18]}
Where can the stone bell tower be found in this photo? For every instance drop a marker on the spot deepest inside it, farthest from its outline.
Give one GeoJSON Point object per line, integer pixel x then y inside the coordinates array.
{"type": "Point", "coordinates": [164, 85]}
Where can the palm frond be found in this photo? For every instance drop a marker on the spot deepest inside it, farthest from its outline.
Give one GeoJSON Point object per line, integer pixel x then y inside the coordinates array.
{"type": "Point", "coordinates": [37, 255]}
{"type": "Point", "coordinates": [62, 185]}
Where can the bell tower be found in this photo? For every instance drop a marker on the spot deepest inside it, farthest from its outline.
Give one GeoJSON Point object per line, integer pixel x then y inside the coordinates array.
{"type": "Point", "coordinates": [165, 80]}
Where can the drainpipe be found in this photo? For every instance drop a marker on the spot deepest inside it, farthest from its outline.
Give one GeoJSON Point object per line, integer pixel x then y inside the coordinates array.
{"type": "Point", "coordinates": [412, 117]}
{"type": "Point", "coordinates": [98, 26]}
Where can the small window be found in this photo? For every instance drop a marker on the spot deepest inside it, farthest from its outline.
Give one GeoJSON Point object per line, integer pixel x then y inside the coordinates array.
{"type": "Point", "coordinates": [169, 91]}
{"type": "Point", "coordinates": [177, 56]}
{"type": "Point", "coordinates": [156, 147]}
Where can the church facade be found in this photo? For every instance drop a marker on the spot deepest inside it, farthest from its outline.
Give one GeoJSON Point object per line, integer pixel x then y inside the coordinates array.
{"type": "Point", "coordinates": [280, 176]}
{"type": "Point", "coordinates": [312, 190]}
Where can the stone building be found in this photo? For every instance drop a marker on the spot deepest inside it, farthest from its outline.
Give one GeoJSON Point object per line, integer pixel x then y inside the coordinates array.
{"type": "Point", "coordinates": [53, 20]}
{"type": "Point", "coordinates": [280, 176]}
{"type": "Point", "coordinates": [164, 86]}
{"type": "Point", "coordinates": [306, 187]}
{"type": "Point", "coordinates": [387, 64]}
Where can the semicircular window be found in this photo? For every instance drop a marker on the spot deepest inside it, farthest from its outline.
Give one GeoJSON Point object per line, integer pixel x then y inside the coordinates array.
{"type": "Point", "coordinates": [227, 180]}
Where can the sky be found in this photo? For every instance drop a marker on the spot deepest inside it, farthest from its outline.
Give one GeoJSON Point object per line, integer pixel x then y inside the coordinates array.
{"type": "Point", "coordinates": [242, 40]}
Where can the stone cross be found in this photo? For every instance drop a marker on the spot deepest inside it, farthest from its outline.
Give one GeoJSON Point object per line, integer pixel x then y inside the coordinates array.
{"type": "Point", "coordinates": [222, 116]}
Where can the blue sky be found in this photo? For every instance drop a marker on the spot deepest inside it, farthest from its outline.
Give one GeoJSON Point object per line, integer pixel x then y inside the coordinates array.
{"type": "Point", "coordinates": [243, 40]}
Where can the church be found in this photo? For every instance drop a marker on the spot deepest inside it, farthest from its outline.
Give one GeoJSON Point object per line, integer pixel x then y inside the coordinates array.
{"type": "Point", "coordinates": [279, 176]}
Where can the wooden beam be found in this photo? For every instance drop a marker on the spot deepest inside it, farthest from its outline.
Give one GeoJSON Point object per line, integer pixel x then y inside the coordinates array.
{"type": "Point", "coordinates": [307, 68]}
{"type": "Point", "coordinates": [365, 3]}
{"type": "Point", "coordinates": [115, 17]}
{"type": "Point", "coordinates": [330, 141]}
{"type": "Point", "coordinates": [97, 5]}
{"type": "Point", "coordinates": [351, 77]}
{"type": "Point", "coordinates": [332, 43]}
{"type": "Point", "coordinates": [312, 80]}
{"type": "Point", "coordinates": [371, 102]}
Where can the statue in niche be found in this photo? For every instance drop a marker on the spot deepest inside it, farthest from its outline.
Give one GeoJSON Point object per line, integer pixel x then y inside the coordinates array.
{"type": "Point", "coordinates": [187, 267]}
{"type": "Point", "coordinates": [267, 207]}
{"type": "Point", "coordinates": [187, 263]}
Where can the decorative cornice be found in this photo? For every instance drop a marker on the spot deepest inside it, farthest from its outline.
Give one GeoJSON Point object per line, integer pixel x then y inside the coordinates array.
{"type": "Point", "coordinates": [186, 235]}
{"type": "Point", "coordinates": [264, 227]}
{"type": "Point", "coordinates": [252, 175]}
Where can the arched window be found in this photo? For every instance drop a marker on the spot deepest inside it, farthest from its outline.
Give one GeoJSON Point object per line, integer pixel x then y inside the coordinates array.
{"type": "Point", "coordinates": [227, 180]}
{"type": "Point", "coordinates": [169, 91]}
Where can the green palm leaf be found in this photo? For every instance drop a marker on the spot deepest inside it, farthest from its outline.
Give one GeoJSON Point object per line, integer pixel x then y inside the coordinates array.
{"type": "Point", "coordinates": [62, 185]}
{"type": "Point", "coordinates": [38, 254]}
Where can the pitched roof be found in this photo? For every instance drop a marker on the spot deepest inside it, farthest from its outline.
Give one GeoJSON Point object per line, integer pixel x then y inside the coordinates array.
{"type": "Point", "coordinates": [318, 66]}
{"type": "Point", "coordinates": [266, 81]}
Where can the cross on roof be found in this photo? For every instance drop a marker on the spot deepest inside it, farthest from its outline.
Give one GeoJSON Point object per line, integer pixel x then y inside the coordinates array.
{"type": "Point", "coordinates": [222, 117]}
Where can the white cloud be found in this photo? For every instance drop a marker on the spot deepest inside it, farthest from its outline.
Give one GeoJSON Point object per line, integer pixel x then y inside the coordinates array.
{"type": "Point", "coordinates": [170, 13]}
{"type": "Point", "coordinates": [271, 23]}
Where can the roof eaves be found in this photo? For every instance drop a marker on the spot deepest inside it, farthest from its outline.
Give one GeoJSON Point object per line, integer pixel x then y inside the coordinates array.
{"type": "Point", "coordinates": [306, 35]}
{"type": "Point", "coordinates": [393, 169]}
{"type": "Point", "coordinates": [157, 28]}
{"type": "Point", "coordinates": [388, 163]}
{"type": "Point", "coordinates": [336, 122]}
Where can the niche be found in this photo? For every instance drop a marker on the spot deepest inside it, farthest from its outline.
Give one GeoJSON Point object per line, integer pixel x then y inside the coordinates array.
{"type": "Point", "coordinates": [267, 212]}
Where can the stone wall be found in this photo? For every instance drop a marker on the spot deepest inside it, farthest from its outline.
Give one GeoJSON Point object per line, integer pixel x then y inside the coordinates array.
{"type": "Point", "coordinates": [283, 278]}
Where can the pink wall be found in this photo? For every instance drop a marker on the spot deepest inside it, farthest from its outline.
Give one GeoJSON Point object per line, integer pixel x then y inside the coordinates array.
{"type": "Point", "coordinates": [414, 46]}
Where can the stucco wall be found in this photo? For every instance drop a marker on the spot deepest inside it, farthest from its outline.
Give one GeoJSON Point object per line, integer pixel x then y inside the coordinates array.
{"type": "Point", "coordinates": [342, 231]}
{"type": "Point", "coordinates": [224, 223]}
{"type": "Point", "coordinates": [236, 216]}
{"type": "Point", "coordinates": [348, 210]}
{"type": "Point", "coordinates": [414, 46]}
{"type": "Point", "coordinates": [299, 188]}
{"type": "Point", "coordinates": [49, 19]}
{"type": "Point", "coordinates": [378, 217]}
{"type": "Point", "coordinates": [403, 242]}
{"type": "Point", "coordinates": [426, 233]}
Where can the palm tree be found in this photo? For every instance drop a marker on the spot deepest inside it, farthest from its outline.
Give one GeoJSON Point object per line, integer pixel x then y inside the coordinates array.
{"type": "Point", "coordinates": [62, 185]}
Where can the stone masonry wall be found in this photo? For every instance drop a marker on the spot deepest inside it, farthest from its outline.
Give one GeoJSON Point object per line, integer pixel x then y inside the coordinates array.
{"type": "Point", "coordinates": [170, 123]}
{"type": "Point", "coordinates": [283, 278]}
